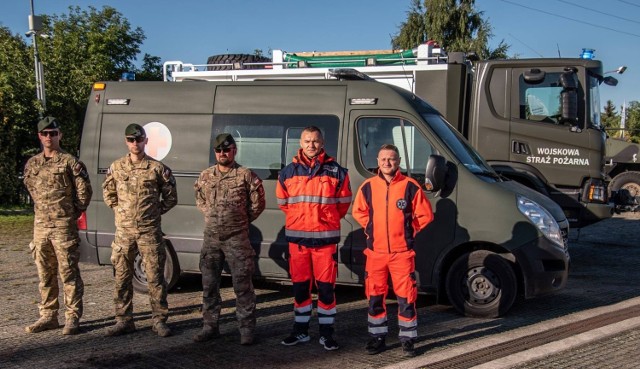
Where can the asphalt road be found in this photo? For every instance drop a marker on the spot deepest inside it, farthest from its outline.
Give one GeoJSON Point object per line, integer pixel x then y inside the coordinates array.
{"type": "Point", "coordinates": [604, 276]}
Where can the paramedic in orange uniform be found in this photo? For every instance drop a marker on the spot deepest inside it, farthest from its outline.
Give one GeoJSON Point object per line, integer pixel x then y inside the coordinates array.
{"type": "Point", "coordinates": [391, 208]}
{"type": "Point", "coordinates": [314, 193]}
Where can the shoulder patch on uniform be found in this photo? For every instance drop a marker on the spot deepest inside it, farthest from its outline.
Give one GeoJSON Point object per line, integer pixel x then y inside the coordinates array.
{"type": "Point", "coordinates": [80, 170]}
{"type": "Point", "coordinates": [168, 176]}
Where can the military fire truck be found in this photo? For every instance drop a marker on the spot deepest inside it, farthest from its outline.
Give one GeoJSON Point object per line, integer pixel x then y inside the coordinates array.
{"type": "Point", "coordinates": [623, 167]}
{"type": "Point", "coordinates": [536, 121]}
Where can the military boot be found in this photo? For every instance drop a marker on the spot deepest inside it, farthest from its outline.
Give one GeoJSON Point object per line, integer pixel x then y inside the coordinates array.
{"type": "Point", "coordinates": [246, 337]}
{"type": "Point", "coordinates": [208, 332]}
{"type": "Point", "coordinates": [161, 329]}
{"type": "Point", "coordinates": [71, 326]}
{"type": "Point", "coordinates": [121, 327]}
{"type": "Point", "coordinates": [43, 324]}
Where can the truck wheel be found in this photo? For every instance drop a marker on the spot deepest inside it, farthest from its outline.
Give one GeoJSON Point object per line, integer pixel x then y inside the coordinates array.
{"type": "Point", "coordinates": [481, 284]}
{"type": "Point", "coordinates": [232, 58]}
{"type": "Point", "coordinates": [628, 181]}
{"type": "Point", "coordinates": [171, 271]}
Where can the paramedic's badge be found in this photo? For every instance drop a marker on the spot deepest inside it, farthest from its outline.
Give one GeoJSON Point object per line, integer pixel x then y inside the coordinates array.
{"type": "Point", "coordinates": [401, 204]}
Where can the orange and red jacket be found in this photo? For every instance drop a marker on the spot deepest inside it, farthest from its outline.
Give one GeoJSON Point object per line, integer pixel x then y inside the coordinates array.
{"type": "Point", "coordinates": [314, 195]}
{"type": "Point", "coordinates": [391, 213]}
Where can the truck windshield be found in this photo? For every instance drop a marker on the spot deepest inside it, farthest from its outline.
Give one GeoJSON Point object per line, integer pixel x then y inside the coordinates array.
{"type": "Point", "coordinates": [594, 102]}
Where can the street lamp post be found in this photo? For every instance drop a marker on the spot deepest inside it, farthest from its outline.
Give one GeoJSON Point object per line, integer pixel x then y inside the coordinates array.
{"type": "Point", "coordinates": [35, 26]}
{"type": "Point", "coordinates": [621, 69]}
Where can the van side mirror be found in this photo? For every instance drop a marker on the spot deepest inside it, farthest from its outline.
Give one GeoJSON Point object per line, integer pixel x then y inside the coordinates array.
{"type": "Point", "coordinates": [436, 173]}
{"type": "Point", "coordinates": [569, 97]}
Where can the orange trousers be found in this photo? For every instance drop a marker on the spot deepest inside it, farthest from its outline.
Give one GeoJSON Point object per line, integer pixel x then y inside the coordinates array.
{"type": "Point", "coordinates": [401, 267]}
{"type": "Point", "coordinates": [311, 266]}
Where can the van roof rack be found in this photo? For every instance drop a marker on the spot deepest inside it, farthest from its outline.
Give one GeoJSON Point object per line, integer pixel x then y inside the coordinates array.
{"type": "Point", "coordinates": [311, 65]}
{"type": "Point", "coordinates": [349, 74]}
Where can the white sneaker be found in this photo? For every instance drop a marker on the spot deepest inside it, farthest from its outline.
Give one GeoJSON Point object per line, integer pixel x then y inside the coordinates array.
{"type": "Point", "coordinates": [296, 338]}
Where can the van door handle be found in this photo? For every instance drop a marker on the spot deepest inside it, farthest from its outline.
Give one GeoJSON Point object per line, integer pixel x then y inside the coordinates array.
{"type": "Point", "coordinates": [518, 147]}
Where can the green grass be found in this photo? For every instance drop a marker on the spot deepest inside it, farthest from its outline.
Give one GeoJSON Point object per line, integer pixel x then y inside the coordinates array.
{"type": "Point", "coordinates": [15, 227]}
{"type": "Point", "coordinates": [15, 220]}
{"type": "Point", "coordinates": [16, 208]}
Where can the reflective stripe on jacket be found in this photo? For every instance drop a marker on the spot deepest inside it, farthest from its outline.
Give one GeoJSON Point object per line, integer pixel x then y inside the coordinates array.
{"type": "Point", "coordinates": [314, 195]}
{"type": "Point", "coordinates": [391, 213]}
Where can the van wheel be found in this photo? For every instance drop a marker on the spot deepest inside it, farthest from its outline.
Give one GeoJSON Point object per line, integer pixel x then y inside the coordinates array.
{"type": "Point", "coordinates": [232, 58]}
{"type": "Point", "coordinates": [171, 271]}
{"type": "Point", "coordinates": [481, 284]}
{"type": "Point", "coordinates": [627, 181]}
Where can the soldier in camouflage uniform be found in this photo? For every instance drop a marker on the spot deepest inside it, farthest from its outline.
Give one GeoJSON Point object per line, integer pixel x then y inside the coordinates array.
{"type": "Point", "coordinates": [139, 189]}
{"type": "Point", "coordinates": [60, 188]}
{"type": "Point", "coordinates": [231, 197]}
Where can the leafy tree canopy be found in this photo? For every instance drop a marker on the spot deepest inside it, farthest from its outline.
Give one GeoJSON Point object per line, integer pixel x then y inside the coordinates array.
{"type": "Point", "coordinates": [82, 47]}
{"type": "Point", "coordinates": [454, 24]}
{"type": "Point", "coordinates": [17, 111]}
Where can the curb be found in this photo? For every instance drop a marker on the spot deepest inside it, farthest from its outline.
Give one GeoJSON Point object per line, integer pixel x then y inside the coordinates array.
{"type": "Point", "coordinates": [486, 343]}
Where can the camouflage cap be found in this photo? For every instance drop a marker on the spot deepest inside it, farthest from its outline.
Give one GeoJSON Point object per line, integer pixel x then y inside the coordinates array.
{"type": "Point", "coordinates": [135, 130]}
{"type": "Point", "coordinates": [48, 122]}
{"type": "Point", "coordinates": [223, 141]}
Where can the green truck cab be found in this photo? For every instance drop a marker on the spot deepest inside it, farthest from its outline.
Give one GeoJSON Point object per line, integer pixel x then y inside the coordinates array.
{"type": "Point", "coordinates": [492, 239]}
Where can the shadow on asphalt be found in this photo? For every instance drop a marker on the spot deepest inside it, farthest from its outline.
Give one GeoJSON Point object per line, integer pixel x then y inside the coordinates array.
{"type": "Point", "coordinates": [605, 258]}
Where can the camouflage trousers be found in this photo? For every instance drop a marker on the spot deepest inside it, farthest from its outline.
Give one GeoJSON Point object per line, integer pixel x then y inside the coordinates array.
{"type": "Point", "coordinates": [55, 252]}
{"type": "Point", "coordinates": [151, 246]}
{"type": "Point", "coordinates": [239, 256]}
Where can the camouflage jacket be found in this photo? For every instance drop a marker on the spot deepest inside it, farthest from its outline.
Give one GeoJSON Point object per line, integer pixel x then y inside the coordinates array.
{"type": "Point", "coordinates": [139, 193]}
{"type": "Point", "coordinates": [59, 187]}
{"type": "Point", "coordinates": [229, 201]}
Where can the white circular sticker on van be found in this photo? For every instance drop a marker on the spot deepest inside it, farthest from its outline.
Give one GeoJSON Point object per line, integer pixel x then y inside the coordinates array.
{"type": "Point", "coordinates": [160, 140]}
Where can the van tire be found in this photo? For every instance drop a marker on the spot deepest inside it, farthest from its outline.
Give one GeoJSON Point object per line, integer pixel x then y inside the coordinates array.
{"type": "Point", "coordinates": [232, 58]}
{"type": "Point", "coordinates": [627, 180]}
{"type": "Point", "coordinates": [481, 284]}
{"type": "Point", "coordinates": [171, 271]}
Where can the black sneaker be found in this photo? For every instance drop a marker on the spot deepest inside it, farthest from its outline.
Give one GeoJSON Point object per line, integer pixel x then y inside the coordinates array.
{"type": "Point", "coordinates": [296, 338]}
{"type": "Point", "coordinates": [407, 349]}
{"type": "Point", "coordinates": [375, 345]}
{"type": "Point", "coordinates": [329, 343]}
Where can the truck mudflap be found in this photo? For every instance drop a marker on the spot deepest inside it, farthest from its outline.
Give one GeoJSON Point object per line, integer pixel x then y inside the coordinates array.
{"type": "Point", "coordinates": [544, 266]}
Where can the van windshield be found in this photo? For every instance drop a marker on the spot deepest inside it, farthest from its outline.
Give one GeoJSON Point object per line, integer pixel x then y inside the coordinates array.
{"type": "Point", "coordinates": [457, 144]}
{"type": "Point", "coordinates": [454, 141]}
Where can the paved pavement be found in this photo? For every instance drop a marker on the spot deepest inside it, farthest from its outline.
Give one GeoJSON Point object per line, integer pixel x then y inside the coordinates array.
{"type": "Point", "coordinates": [594, 322]}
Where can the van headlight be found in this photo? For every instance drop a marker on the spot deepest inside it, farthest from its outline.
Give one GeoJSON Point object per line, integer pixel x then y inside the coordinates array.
{"type": "Point", "coordinates": [542, 219]}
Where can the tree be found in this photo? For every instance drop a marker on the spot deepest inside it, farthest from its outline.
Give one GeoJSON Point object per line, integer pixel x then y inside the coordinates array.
{"type": "Point", "coordinates": [151, 69]}
{"type": "Point", "coordinates": [84, 47]}
{"type": "Point", "coordinates": [413, 31]}
{"type": "Point", "coordinates": [610, 119]}
{"type": "Point", "coordinates": [632, 123]}
{"type": "Point", "coordinates": [18, 111]}
{"type": "Point", "coordinates": [454, 24]}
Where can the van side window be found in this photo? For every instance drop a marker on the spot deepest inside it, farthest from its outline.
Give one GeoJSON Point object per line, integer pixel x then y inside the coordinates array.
{"type": "Point", "coordinates": [414, 148]}
{"type": "Point", "coordinates": [540, 102]}
{"type": "Point", "coordinates": [266, 143]}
